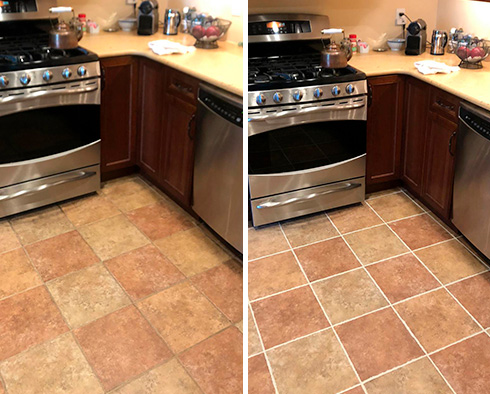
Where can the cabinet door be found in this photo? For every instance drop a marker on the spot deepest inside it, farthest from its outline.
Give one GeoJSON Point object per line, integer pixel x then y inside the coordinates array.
{"type": "Point", "coordinates": [416, 118]}
{"type": "Point", "coordinates": [118, 113]}
{"type": "Point", "coordinates": [384, 129]}
{"type": "Point", "coordinates": [439, 164]}
{"type": "Point", "coordinates": [152, 96]}
{"type": "Point", "coordinates": [177, 152]}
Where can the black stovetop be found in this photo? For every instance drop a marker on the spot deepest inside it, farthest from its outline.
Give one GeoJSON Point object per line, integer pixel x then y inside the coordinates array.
{"type": "Point", "coordinates": [25, 45]}
{"type": "Point", "coordinates": [293, 64]}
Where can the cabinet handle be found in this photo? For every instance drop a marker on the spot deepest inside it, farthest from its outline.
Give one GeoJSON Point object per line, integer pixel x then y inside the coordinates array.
{"type": "Point", "coordinates": [451, 143]}
{"type": "Point", "coordinates": [370, 94]}
{"type": "Point", "coordinates": [183, 88]}
{"type": "Point", "coordinates": [445, 106]}
{"type": "Point", "coordinates": [102, 76]}
{"type": "Point", "coordinates": [189, 126]}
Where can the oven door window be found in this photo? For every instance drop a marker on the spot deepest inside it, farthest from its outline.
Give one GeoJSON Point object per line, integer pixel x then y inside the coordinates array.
{"type": "Point", "coordinates": [44, 132]}
{"type": "Point", "coordinates": [304, 147]}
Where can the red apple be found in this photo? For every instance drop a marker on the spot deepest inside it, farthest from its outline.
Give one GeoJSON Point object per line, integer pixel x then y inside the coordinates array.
{"type": "Point", "coordinates": [213, 31]}
{"type": "Point", "coordinates": [198, 32]}
{"type": "Point", "coordinates": [463, 53]}
{"type": "Point", "coordinates": [477, 52]}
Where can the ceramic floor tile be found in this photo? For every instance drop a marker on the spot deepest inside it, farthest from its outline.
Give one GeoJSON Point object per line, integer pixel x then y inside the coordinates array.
{"type": "Point", "coordinates": [356, 390]}
{"type": "Point", "coordinates": [191, 251]}
{"type": "Point", "coordinates": [27, 319]}
{"type": "Point", "coordinates": [450, 261]}
{"type": "Point", "coordinates": [466, 365]}
{"type": "Point", "coordinates": [308, 229]}
{"type": "Point", "coordinates": [436, 319]}
{"type": "Point", "coordinates": [349, 295]}
{"type": "Point", "coordinates": [239, 325]}
{"type": "Point", "coordinates": [372, 196]}
{"type": "Point", "coordinates": [223, 285]}
{"type": "Point", "coordinates": [273, 274]}
{"type": "Point", "coordinates": [375, 244]}
{"type": "Point", "coordinates": [130, 193]}
{"type": "Point", "coordinates": [87, 295]}
{"type": "Point", "coordinates": [259, 378]}
{"type": "Point", "coordinates": [377, 343]}
{"type": "Point", "coordinates": [55, 367]}
{"type": "Point", "coordinates": [402, 277]}
{"type": "Point", "coordinates": [353, 218]}
{"type": "Point", "coordinates": [144, 271]}
{"type": "Point", "coordinates": [395, 206]}
{"type": "Point", "coordinates": [418, 377]}
{"type": "Point", "coordinates": [182, 316]}
{"type": "Point", "coordinates": [471, 293]}
{"type": "Point", "coordinates": [89, 209]}
{"type": "Point", "coordinates": [160, 220]}
{"type": "Point", "coordinates": [111, 237]}
{"type": "Point", "coordinates": [120, 346]}
{"type": "Point", "coordinates": [40, 224]}
{"type": "Point", "coordinates": [254, 345]}
{"type": "Point", "coordinates": [265, 241]}
{"type": "Point", "coordinates": [326, 258]}
{"type": "Point", "coordinates": [61, 255]}
{"type": "Point", "coordinates": [168, 378]}
{"type": "Point", "coordinates": [287, 316]}
{"type": "Point", "coordinates": [315, 364]}
{"type": "Point", "coordinates": [420, 231]}
{"type": "Point", "coordinates": [16, 273]}
{"type": "Point", "coordinates": [217, 363]}
{"type": "Point", "coordinates": [2, 389]}
{"type": "Point", "coordinates": [8, 239]}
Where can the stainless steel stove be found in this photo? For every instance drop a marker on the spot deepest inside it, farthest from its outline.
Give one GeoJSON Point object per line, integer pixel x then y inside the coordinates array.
{"type": "Point", "coordinates": [49, 113]}
{"type": "Point", "coordinates": [306, 124]}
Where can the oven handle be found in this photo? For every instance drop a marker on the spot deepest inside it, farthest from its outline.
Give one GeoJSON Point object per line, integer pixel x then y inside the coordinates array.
{"type": "Point", "coordinates": [75, 177]}
{"type": "Point", "coordinates": [275, 204]}
{"type": "Point", "coordinates": [48, 93]}
{"type": "Point", "coordinates": [305, 111]}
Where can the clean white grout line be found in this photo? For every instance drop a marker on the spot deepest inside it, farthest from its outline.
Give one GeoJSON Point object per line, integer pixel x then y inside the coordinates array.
{"type": "Point", "coordinates": [322, 308]}
{"type": "Point", "coordinates": [384, 195]}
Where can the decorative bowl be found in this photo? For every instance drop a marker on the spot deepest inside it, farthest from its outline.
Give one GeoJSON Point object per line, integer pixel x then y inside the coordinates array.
{"type": "Point", "coordinates": [396, 44]}
{"type": "Point", "coordinates": [472, 51]}
{"type": "Point", "coordinates": [127, 24]}
{"type": "Point", "coordinates": [207, 31]}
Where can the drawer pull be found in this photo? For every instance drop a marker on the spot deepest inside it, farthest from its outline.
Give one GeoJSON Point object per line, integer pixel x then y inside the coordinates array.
{"type": "Point", "coordinates": [451, 143]}
{"type": "Point", "coordinates": [445, 106]}
{"type": "Point", "coordinates": [183, 88]}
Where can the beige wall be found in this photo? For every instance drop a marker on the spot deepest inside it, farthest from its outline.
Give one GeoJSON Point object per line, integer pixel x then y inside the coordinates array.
{"type": "Point", "coordinates": [97, 10]}
{"type": "Point", "coordinates": [366, 18]}
{"type": "Point", "coordinates": [472, 16]}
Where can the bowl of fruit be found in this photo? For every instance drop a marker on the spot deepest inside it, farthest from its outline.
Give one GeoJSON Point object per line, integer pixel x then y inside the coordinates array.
{"type": "Point", "coordinates": [472, 52]}
{"type": "Point", "coordinates": [207, 31]}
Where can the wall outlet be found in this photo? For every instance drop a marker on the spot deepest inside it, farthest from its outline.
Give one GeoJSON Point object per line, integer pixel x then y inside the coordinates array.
{"type": "Point", "coordinates": [131, 2]}
{"type": "Point", "coordinates": [236, 9]}
{"type": "Point", "coordinates": [400, 20]}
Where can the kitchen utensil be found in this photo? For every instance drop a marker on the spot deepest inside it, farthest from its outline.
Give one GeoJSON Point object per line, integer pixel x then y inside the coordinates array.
{"type": "Point", "coordinates": [148, 18]}
{"type": "Point", "coordinates": [472, 51]}
{"type": "Point", "coordinates": [454, 36]}
{"type": "Point", "coordinates": [187, 16]}
{"type": "Point", "coordinates": [396, 44]}
{"type": "Point", "coordinates": [438, 42]}
{"type": "Point", "coordinates": [171, 22]}
{"type": "Point", "coordinates": [207, 31]}
{"type": "Point", "coordinates": [63, 35]}
{"type": "Point", "coordinates": [128, 24]}
{"type": "Point", "coordinates": [416, 38]}
{"type": "Point", "coordinates": [334, 55]}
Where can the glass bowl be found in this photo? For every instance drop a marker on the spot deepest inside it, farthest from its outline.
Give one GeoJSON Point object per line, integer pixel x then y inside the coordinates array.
{"type": "Point", "coordinates": [472, 52]}
{"type": "Point", "coordinates": [208, 31]}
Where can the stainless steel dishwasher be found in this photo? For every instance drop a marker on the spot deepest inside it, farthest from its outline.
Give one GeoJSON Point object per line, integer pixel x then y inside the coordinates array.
{"type": "Point", "coordinates": [218, 168]}
{"type": "Point", "coordinates": [471, 202]}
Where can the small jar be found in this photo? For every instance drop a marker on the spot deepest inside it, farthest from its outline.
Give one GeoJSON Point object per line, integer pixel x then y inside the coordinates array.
{"type": "Point", "coordinates": [82, 18]}
{"type": "Point", "coordinates": [353, 42]}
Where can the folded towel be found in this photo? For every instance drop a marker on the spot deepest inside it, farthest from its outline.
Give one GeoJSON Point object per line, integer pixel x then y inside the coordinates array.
{"type": "Point", "coordinates": [427, 67]}
{"type": "Point", "coordinates": [166, 47]}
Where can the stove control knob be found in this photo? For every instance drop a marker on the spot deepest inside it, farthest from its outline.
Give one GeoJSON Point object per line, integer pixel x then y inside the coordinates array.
{"type": "Point", "coordinates": [47, 76]}
{"type": "Point", "coordinates": [318, 93]}
{"type": "Point", "coordinates": [66, 73]}
{"type": "Point", "coordinates": [277, 97]}
{"type": "Point", "coordinates": [349, 89]}
{"type": "Point", "coordinates": [260, 99]}
{"type": "Point", "coordinates": [297, 95]}
{"type": "Point", "coordinates": [25, 79]}
{"type": "Point", "coordinates": [4, 81]}
{"type": "Point", "coordinates": [335, 90]}
{"type": "Point", "coordinates": [82, 71]}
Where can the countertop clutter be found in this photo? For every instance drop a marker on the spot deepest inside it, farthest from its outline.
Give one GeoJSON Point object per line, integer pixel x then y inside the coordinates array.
{"type": "Point", "coordinates": [469, 85]}
{"type": "Point", "coordinates": [221, 67]}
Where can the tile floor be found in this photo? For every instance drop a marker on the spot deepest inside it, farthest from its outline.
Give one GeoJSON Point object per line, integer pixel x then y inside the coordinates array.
{"type": "Point", "coordinates": [119, 292]}
{"type": "Point", "coordinates": [374, 298]}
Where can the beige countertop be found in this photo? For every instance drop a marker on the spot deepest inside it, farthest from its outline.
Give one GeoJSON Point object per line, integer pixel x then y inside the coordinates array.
{"type": "Point", "coordinates": [222, 67]}
{"type": "Point", "coordinates": [470, 85]}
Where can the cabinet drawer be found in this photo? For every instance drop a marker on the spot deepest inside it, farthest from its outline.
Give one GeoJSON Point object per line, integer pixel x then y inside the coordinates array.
{"type": "Point", "coordinates": [444, 104]}
{"type": "Point", "coordinates": [183, 86]}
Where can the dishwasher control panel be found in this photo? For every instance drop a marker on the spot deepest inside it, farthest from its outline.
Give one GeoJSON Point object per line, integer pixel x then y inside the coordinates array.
{"type": "Point", "coordinates": [230, 112]}
{"type": "Point", "coordinates": [479, 125]}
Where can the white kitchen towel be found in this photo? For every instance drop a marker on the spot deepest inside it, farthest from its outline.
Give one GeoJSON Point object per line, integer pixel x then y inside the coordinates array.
{"type": "Point", "coordinates": [427, 67]}
{"type": "Point", "coordinates": [166, 47]}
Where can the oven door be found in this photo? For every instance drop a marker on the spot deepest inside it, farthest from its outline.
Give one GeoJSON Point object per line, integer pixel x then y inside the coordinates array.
{"type": "Point", "coordinates": [49, 130]}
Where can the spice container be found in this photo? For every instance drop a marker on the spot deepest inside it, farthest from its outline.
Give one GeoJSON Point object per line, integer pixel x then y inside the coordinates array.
{"type": "Point", "coordinates": [353, 42]}
{"type": "Point", "coordinates": [82, 18]}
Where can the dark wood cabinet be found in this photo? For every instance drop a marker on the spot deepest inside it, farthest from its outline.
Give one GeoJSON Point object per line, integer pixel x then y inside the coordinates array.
{"type": "Point", "coordinates": [118, 115]}
{"type": "Point", "coordinates": [414, 136]}
{"type": "Point", "coordinates": [384, 130]}
{"type": "Point", "coordinates": [439, 164]}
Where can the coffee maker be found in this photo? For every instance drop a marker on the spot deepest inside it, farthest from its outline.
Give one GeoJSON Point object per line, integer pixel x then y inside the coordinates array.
{"type": "Point", "coordinates": [148, 18]}
{"type": "Point", "coordinates": [416, 38]}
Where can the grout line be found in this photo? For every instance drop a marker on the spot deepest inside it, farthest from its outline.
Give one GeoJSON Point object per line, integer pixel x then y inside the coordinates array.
{"type": "Point", "coordinates": [384, 195]}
